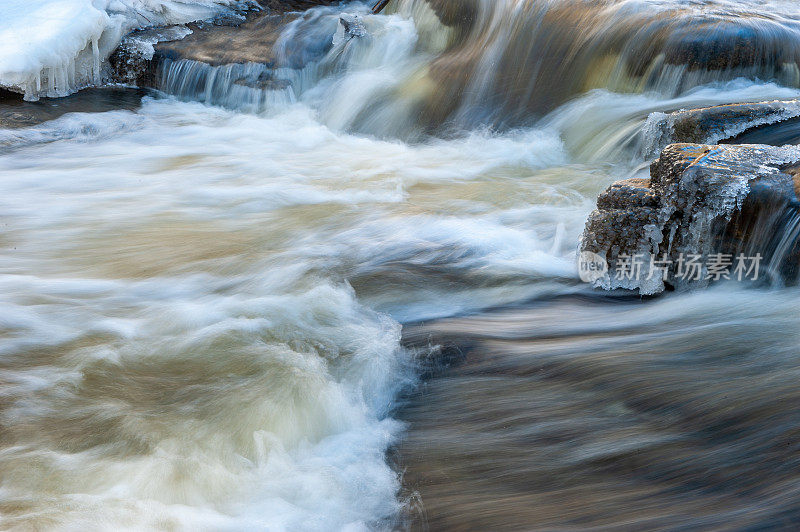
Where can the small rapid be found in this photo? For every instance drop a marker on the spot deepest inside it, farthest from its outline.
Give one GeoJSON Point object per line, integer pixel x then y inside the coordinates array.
{"type": "Point", "coordinates": [200, 326]}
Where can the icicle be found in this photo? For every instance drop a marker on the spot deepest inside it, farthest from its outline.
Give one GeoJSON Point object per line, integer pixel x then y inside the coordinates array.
{"type": "Point", "coordinates": [72, 73]}
{"type": "Point", "coordinates": [47, 77]}
{"type": "Point", "coordinates": [95, 61]}
{"type": "Point", "coordinates": [58, 79]}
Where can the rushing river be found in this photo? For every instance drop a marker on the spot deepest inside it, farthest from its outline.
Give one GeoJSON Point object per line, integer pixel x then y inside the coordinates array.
{"type": "Point", "coordinates": [202, 293]}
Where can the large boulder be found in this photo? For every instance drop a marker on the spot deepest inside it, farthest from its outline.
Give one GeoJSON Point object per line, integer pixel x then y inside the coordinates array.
{"type": "Point", "coordinates": [702, 204]}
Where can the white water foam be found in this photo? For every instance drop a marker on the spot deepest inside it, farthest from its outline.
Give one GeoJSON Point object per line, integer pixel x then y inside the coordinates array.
{"type": "Point", "coordinates": [185, 336]}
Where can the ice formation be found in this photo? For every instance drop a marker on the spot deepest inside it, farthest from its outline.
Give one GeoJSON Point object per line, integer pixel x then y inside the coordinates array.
{"type": "Point", "coordinates": [55, 47]}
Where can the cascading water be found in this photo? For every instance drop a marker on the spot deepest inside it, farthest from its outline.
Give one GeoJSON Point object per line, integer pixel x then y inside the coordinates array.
{"type": "Point", "coordinates": [468, 64]}
{"type": "Point", "coordinates": [205, 292]}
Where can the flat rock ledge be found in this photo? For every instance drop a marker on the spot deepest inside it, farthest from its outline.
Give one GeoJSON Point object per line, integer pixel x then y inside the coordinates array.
{"type": "Point", "coordinates": [719, 123]}
{"type": "Point", "coordinates": [700, 200]}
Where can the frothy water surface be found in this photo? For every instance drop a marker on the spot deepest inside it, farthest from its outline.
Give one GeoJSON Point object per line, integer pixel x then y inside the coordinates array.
{"type": "Point", "coordinates": [189, 300]}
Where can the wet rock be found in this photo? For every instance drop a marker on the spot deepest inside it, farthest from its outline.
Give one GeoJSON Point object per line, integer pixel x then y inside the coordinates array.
{"type": "Point", "coordinates": [263, 81]}
{"type": "Point", "coordinates": [285, 6]}
{"type": "Point", "coordinates": [657, 416]}
{"type": "Point", "coordinates": [263, 63]}
{"type": "Point", "coordinates": [778, 133]}
{"type": "Point", "coordinates": [140, 54]}
{"type": "Point", "coordinates": [718, 43]}
{"type": "Point", "coordinates": [695, 46]}
{"type": "Point", "coordinates": [250, 42]}
{"type": "Point", "coordinates": [461, 14]}
{"type": "Point", "coordinates": [253, 39]}
{"type": "Point", "coordinates": [700, 200]}
{"type": "Point", "coordinates": [713, 124]}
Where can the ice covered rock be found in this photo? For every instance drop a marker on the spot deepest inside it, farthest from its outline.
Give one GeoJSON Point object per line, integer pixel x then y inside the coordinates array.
{"type": "Point", "coordinates": [131, 60]}
{"type": "Point", "coordinates": [700, 200]}
{"type": "Point", "coordinates": [349, 26]}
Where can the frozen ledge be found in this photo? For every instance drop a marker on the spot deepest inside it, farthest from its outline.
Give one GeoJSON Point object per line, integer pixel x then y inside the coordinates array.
{"type": "Point", "coordinates": [55, 47]}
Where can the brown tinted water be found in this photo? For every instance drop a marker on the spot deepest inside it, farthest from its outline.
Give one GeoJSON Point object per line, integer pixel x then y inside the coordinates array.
{"type": "Point", "coordinates": [604, 412]}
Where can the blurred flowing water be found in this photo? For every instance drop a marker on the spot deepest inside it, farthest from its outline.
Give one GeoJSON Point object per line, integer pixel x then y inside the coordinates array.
{"type": "Point", "coordinates": [204, 293]}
